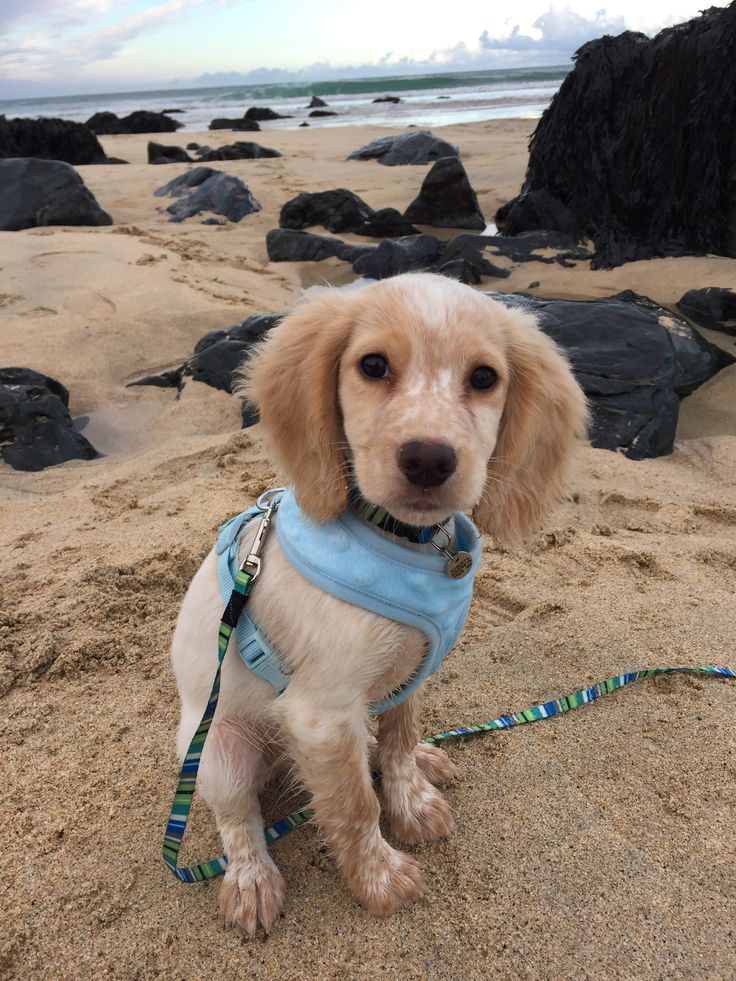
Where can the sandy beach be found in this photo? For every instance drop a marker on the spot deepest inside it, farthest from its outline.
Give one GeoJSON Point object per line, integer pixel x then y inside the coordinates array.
{"type": "Point", "coordinates": [596, 845]}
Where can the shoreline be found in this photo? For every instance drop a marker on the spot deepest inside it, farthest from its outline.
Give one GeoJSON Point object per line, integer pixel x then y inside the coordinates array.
{"type": "Point", "coordinates": [601, 840]}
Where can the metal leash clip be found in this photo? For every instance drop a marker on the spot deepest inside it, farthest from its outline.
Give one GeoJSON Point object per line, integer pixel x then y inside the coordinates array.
{"type": "Point", "coordinates": [267, 502]}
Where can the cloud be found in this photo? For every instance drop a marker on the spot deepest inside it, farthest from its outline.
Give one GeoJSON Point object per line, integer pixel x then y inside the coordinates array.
{"type": "Point", "coordinates": [560, 29]}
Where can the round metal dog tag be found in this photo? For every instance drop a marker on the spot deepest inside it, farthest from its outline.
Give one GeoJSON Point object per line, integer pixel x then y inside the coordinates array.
{"type": "Point", "coordinates": [459, 565]}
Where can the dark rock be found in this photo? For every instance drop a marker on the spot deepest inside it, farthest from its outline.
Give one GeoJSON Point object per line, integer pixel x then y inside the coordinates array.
{"type": "Point", "coordinates": [535, 210]}
{"type": "Point", "coordinates": [194, 146]}
{"type": "Point", "coordinates": [263, 114]}
{"type": "Point", "coordinates": [644, 163]}
{"type": "Point", "coordinates": [316, 103]}
{"type": "Point", "coordinates": [205, 189]}
{"type": "Point", "coordinates": [169, 112]}
{"type": "Point", "coordinates": [711, 307]}
{"type": "Point", "coordinates": [387, 98]}
{"type": "Point", "coordinates": [301, 125]}
{"type": "Point", "coordinates": [36, 430]}
{"type": "Point", "coordinates": [527, 247]}
{"type": "Point", "coordinates": [35, 193]}
{"type": "Point", "coordinates": [160, 154]}
{"type": "Point", "coordinates": [239, 150]}
{"type": "Point", "coordinates": [338, 210]}
{"type": "Point", "coordinates": [236, 124]}
{"type": "Point", "coordinates": [216, 358]}
{"type": "Point", "coordinates": [418, 147]}
{"type": "Point", "coordinates": [446, 199]}
{"type": "Point", "coordinates": [111, 160]}
{"type": "Point", "coordinates": [141, 121]}
{"type": "Point", "coordinates": [49, 139]}
{"type": "Point", "coordinates": [322, 112]}
{"type": "Point", "coordinates": [462, 270]}
{"type": "Point", "coordinates": [394, 256]}
{"type": "Point", "coordinates": [634, 361]}
{"type": "Point", "coordinates": [387, 223]}
{"type": "Point", "coordinates": [291, 245]}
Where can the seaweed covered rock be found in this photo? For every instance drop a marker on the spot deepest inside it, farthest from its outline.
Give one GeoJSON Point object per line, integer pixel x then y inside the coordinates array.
{"type": "Point", "coordinates": [35, 193]}
{"type": "Point", "coordinates": [206, 189]}
{"type": "Point", "coordinates": [140, 121]}
{"type": "Point", "coordinates": [633, 359]}
{"type": "Point", "coordinates": [50, 139]}
{"type": "Point", "coordinates": [415, 147]}
{"type": "Point", "coordinates": [711, 307]}
{"type": "Point", "coordinates": [636, 150]}
{"type": "Point", "coordinates": [446, 199]}
{"type": "Point", "coordinates": [36, 430]}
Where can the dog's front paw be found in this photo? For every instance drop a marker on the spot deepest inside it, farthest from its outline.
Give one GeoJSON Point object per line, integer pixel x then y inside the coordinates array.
{"type": "Point", "coordinates": [252, 894]}
{"type": "Point", "coordinates": [434, 763]}
{"type": "Point", "coordinates": [417, 812]}
{"type": "Point", "coordinates": [386, 880]}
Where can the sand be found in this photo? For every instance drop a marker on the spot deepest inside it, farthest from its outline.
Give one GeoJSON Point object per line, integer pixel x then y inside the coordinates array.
{"type": "Point", "coordinates": [596, 845]}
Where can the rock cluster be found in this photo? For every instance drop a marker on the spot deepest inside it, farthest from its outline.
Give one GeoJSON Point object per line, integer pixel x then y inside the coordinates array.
{"type": "Point", "coordinates": [50, 139]}
{"type": "Point", "coordinates": [141, 121]}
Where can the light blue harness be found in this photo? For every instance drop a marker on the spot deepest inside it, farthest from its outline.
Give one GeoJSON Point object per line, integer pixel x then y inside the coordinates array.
{"type": "Point", "coordinates": [349, 559]}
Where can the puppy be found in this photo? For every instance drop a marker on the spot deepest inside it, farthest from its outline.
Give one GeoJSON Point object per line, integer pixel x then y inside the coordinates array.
{"type": "Point", "coordinates": [490, 414]}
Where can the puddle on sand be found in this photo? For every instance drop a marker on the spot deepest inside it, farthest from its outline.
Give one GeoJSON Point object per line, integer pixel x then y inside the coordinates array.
{"type": "Point", "coordinates": [120, 430]}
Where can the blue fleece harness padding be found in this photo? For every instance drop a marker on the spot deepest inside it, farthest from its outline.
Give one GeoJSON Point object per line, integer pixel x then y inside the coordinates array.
{"type": "Point", "coordinates": [349, 559]}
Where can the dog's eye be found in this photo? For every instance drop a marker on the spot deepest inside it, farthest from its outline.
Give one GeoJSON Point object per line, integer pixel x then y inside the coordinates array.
{"type": "Point", "coordinates": [374, 366]}
{"type": "Point", "coordinates": [483, 377]}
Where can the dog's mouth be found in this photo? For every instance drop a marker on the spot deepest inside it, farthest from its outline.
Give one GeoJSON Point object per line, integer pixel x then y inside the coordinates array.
{"type": "Point", "coordinates": [421, 507]}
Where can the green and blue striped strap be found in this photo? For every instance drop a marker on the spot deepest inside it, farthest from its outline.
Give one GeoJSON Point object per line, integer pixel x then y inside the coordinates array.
{"type": "Point", "coordinates": [184, 794]}
{"type": "Point", "coordinates": [545, 710]}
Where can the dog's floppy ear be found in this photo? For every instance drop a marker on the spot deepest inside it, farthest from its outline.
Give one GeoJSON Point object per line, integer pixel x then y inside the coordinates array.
{"type": "Point", "coordinates": [544, 416]}
{"type": "Point", "coordinates": [292, 379]}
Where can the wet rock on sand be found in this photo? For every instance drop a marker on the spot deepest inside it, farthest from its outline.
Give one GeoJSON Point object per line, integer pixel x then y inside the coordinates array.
{"type": "Point", "coordinates": [205, 189]}
{"type": "Point", "coordinates": [340, 210]}
{"type": "Point", "coordinates": [35, 193]}
{"type": "Point", "coordinates": [446, 199]}
{"type": "Point", "coordinates": [711, 307]}
{"type": "Point", "coordinates": [35, 427]}
{"type": "Point", "coordinates": [415, 147]}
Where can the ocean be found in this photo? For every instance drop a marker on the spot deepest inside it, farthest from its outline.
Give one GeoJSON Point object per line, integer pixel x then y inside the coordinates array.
{"type": "Point", "coordinates": [426, 100]}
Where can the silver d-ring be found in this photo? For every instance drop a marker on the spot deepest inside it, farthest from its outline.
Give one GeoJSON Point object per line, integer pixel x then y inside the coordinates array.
{"type": "Point", "coordinates": [267, 497]}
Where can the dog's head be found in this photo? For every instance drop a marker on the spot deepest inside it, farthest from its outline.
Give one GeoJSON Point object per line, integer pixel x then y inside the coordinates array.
{"type": "Point", "coordinates": [429, 396]}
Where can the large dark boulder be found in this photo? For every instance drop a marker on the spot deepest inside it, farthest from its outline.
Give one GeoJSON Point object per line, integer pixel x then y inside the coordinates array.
{"type": "Point", "coordinates": [49, 139]}
{"type": "Point", "coordinates": [140, 121]}
{"type": "Point", "coordinates": [240, 150]}
{"type": "Point", "coordinates": [711, 307]}
{"type": "Point", "coordinates": [638, 145]}
{"type": "Point", "coordinates": [446, 199]}
{"type": "Point", "coordinates": [36, 430]}
{"type": "Point", "coordinates": [160, 154]}
{"type": "Point", "coordinates": [415, 147]}
{"type": "Point", "coordinates": [35, 193]}
{"type": "Point", "coordinates": [321, 113]}
{"type": "Point", "coordinates": [261, 114]}
{"type": "Point", "coordinates": [236, 124]}
{"type": "Point", "coordinates": [317, 103]}
{"type": "Point", "coordinates": [293, 245]}
{"type": "Point", "coordinates": [206, 189]}
{"type": "Point", "coordinates": [633, 359]}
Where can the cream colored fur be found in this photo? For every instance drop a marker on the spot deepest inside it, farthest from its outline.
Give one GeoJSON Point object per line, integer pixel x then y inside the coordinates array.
{"type": "Point", "coordinates": [325, 421]}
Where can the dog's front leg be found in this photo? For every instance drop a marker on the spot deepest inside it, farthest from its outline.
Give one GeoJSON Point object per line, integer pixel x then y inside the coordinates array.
{"type": "Point", "coordinates": [330, 749]}
{"type": "Point", "coordinates": [417, 811]}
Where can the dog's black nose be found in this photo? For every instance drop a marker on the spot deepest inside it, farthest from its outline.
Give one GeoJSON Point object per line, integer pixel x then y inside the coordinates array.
{"type": "Point", "coordinates": [427, 464]}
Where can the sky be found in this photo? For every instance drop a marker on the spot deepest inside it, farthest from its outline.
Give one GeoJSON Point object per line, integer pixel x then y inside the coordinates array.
{"type": "Point", "coordinates": [59, 47]}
